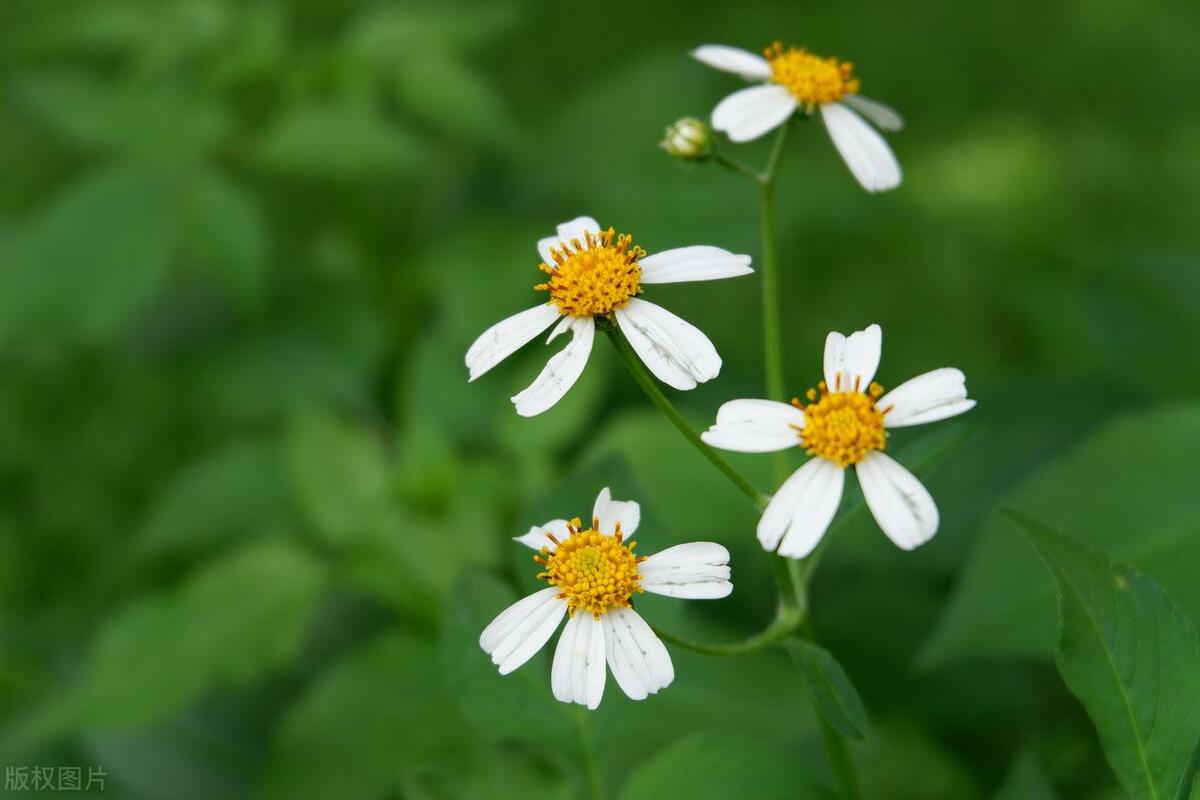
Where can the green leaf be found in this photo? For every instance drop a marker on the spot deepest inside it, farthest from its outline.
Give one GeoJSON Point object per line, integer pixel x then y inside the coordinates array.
{"type": "Point", "coordinates": [235, 491]}
{"type": "Point", "coordinates": [518, 705]}
{"type": "Point", "coordinates": [365, 722]}
{"type": "Point", "coordinates": [832, 692]}
{"type": "Point", "coordinates": [1131, 656]}
{"type": "Point", "coordinates": [338, 474]}
{"type": "Point", "coordinates": [225, 234]}
{"type": "Point", "coordinates": [714, 766]}
{"type": "Point", "coordinates": [92, 260]}
{"type": "Point", "coordinates": [450, 96]}
{"type": "Point", "coordinates": [350, 143]}
{"type": "Point", "coordinates": [1025, 781]}
{"type": "Point", "coordinates": [1126, 488]}
{"type": "Point", "coordinates": [227, 625]}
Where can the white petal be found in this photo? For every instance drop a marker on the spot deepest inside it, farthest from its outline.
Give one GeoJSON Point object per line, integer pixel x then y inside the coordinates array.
{"type": "Point", "coordinates": [755, 426]}
{"type": "Point", "coordinates": [802, 509]}
{"type": "Point", "coordinates": [851, 361]}
{"type": "Point", "coordinates": [865, 152]}
{"type": "Point", "coordinates": [573, 230]}
{"type": "Point", "coordinates": [817, 503]}
{"type": "Point", "coordinates": [608, 512]}
{"type": "Point", "coordinates": [880, 115]}
{"type": "Point", "coordinates": [522, 628]}
{"type": "Point", "coordinates": [560, 372]}
{"type": "Point", "coordinates": [696, 263]}
{"type": "Point", "coordinates": [537, 539]}
{"type": "Point", "coordinates": [935, 395]}
{"type": "Point", "coordinates": [506, 337]}
{"type": "Point", "coordinates": [676, 352]}
{"type": "Point", "coordinates": [734, 59]}
{"type": "Point", "coordinates": [696, 571]}
{"type": "Point", "coordinates": [562, 327]}
{"type": "Point", "coordinates": [577, 675]}
{"type": "Point", "coordinates": [637, 657]}
{"type": "Point", "coordinates": [749, 113]}
{"type": "Point", "coordinates": [898, 501]}
{"type": "Point", "coordinates": [544, 246]}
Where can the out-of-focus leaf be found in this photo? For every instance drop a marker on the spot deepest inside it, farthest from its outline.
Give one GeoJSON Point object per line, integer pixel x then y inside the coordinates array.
{"type": "Point", "coordinates": [228, 624]}
{"type": "Point", "coordinates": [1128, 489]}
{"type": "Point", "coordinates": [1025, 781]}
{"type": "Point", "coordinates": [225, 234]}
{"type": "Point", "coordinates": [451, 97]}
{"type": "Point", "coordinates": [380, 712]}
{"type": "Point", "coordinates": [501, 773]}
{"type": "Point", "coordinates": [518, 705]}
{"type": "Point", "coordinates": [712, 766]}
{"type": "Point", "coordinates": [279, 371]}
{"type": "Point", "coordinates": [832, 692]}
{"type": "Point", "coordinates": [341, 143]}
{"type": "Point", "coordinates": [89, 263]}
{"type": "Point", "coordinates": [1131, 656]}
{"type": "Point", "coordinates": [901, 761]}
{"type": "Point", "coordinates": [338, 474]}
{"type": "Point", "coordinates": [386, 34]}
{"type": "Point", "coordinates": [161, 121]}
{"type": "Point", "coordinates": [236, 491]}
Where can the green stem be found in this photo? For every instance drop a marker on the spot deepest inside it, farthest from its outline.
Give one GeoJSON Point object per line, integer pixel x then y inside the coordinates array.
{"type": "Point", "coordinates": [587, 749]}
{"type": "Point", "coordinates": [784, 625]}
{"type": "Point", "coordinates": [734, 165]}
{"type": "Point", "coordinates": [650, 387]}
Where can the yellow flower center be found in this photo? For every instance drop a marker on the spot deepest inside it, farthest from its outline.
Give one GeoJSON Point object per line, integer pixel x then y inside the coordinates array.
{"type": "Point", "coordinates": [594, 572]}
{"type": "Point", "coordinates": [812, 80]}
{"type": "Point", "coordinates": [842, 427]}
{"type": "Point", "coordinates": [594, 277]}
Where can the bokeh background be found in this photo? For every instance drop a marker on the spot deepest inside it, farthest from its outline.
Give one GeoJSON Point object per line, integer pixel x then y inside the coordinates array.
{"type": "Point", "coordinates": [252, 516]}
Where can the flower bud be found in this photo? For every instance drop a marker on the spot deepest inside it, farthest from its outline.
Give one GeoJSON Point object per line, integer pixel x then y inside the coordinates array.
{"type": "Point", "coordinates": [687, 139]}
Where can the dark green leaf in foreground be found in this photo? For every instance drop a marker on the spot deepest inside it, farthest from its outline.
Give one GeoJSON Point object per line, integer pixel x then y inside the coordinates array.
{"type": "Point", "coordinates": [832, 692]}
{"type": "Point", "coordinates": [1132, 657]}
{"type": "Point", "coordinates": [712, 766]}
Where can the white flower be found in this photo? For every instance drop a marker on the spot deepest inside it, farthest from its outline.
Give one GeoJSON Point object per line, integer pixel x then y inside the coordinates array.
{"type": "Point", "coordinates": [593, 575]}
{"type": "Point", "coordinates": [795, 78]}
{"type": "Point", "coordinates": [844, 423]}
{"type": "Point", "coordinates": [594, 273]}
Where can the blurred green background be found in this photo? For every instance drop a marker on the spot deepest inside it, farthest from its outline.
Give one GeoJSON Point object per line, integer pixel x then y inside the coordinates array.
{"type": "Point", "coordinates": [252, 517]}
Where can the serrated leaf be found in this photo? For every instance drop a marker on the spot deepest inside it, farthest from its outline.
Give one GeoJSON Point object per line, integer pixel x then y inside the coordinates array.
{"type": "Point", "coordinates": [338, 474]}
{"type": "Point", "coordinates": [232, 621]}
{"type": "Point", "coordinates": [235, 491]}
{"type": "Point", "coordinates": [1131, 656]}
{"type": "Point", "coordinates": [350, 143]}
{"type": "Point", "coordinates": [224, 233]}
{"type": "Point", "coordinates": [1120, 489]}
{"type": "Point", "coordinates": [92, 260]}
{"type": "Point", "coordinates": [831, 690]}
{"type": "Point", "coordinates": [712, 766]}
{"type": "Point", "coordinates": [380, 711]}
{"type": "Point", "coordinates": [517, 705]}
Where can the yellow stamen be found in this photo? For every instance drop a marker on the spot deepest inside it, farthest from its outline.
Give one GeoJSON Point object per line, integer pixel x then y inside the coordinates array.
{"type": "Point", "coordinates": [842, 426]}
{"type": "Point", "coordinates": [594, 277]}
{"type": "Point", "coordinates": [594, 572]}
{"type": "Point", "coordinates": [812, 80]}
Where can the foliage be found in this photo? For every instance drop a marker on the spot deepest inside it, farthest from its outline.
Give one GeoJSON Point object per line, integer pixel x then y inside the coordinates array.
{"type": "Point", "coordinates": [252, 517]}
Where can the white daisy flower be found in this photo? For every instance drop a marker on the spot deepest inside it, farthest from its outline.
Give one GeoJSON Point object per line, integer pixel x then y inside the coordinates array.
{"type": "Point", "coordinates": [844, 423]}
{"type": "Point", "coordinates": [596, 273]}
{"type": "Point", "coordinates": [795, 78]}
{"type": "Point", "coordinates": [593, 576]}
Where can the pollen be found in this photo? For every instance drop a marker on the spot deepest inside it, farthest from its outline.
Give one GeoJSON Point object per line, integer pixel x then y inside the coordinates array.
{"type": "Point", "coordinates": [594, 572]}
{"type": "Point", "coordinates": [842, 427]}
{"type": "Point", "coordinates": [812, 80]}
{"type": "Point", "coordinates": [593, 277]}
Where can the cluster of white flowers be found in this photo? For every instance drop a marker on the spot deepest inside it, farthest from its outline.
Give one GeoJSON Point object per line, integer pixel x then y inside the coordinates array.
{"type": "Point", "coordinates": [595, 273]}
